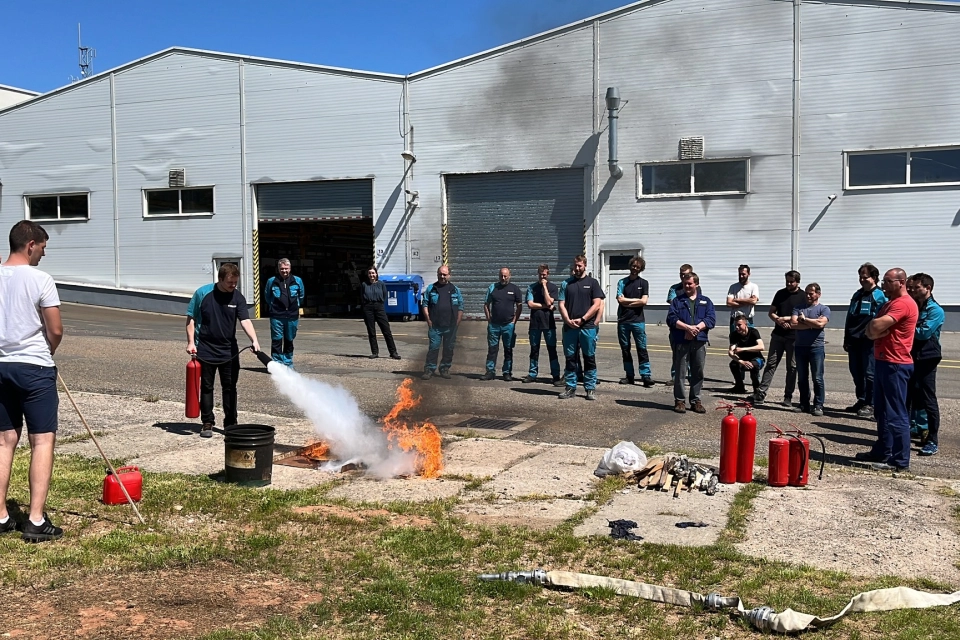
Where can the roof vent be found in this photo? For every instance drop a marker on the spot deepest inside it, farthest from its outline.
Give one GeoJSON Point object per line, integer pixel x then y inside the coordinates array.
{"type": "Point", "coordinates": [691, 148]}
{"type": "Point", "coordinates": [178, 178]}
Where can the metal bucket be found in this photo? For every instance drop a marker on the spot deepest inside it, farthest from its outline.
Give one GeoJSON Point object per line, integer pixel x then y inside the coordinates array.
{"type": "Point", "coordinates": [248, 454]}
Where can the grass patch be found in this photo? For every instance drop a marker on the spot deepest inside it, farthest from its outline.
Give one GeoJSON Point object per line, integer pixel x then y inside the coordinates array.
{"type": "Point", "coordinates": [151, 397]}
{"type": "Point", "coordinates": [79, 437]}
{"type": "Point", "coordinates": [385, 576]}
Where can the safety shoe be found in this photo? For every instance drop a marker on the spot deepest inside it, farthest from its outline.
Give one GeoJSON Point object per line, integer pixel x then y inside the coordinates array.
{"type": "Point", "coordinates": [396, 356]}
{"type": "Point", "coordinates": [40, 533]}
{"type": "Point", "coordinates": [679, 407]}
{"type": "Point", "coordinates": [445, 374]}
{"type": "Point", "coordinates": [786, 402]}
{"type": "Point", "coordinates": [9, 525]}
{"type": "Point", "coordinates": [559, 382]}
{"type": "Point", "coordinates": [929, 449]}
{"type": "Point", "coordinates": [867, 456]}
{"type": "Point", "coordinates": [866, 411]}
{"type": "Point", "coordinates": [426, 375]}
{"type": "Point", "coordinates": [648, 382]}
{"type": "Point", "coordinates": [528, 379]}
{"type": "Point", "coordinates": [698, 407]}
{"type": "Point", "coordinates": [626, 380]}
{"type": "Point", "coordinates": [489, 375]}
{"type": "Point", "coordinates": [508, 377]}
{"type": "Point", "coordinates": [591, 395]}
{"type": "Point", "coordinates": [206, 431]}
{"type": "Point", "coordinates": [855, 407]}
{"type": "Point", "coordinates": [817, 411]}
{"type": "Point", "coordinates": [569, 392]}
{"type": "Point", "coordinates": [801, 409]}
{"type": "Point", "coordinates": [885, 466]}
{"type": "Point", "coordinates": [373, 356]}
{"type": "Point", "coordinates": [756, 399]}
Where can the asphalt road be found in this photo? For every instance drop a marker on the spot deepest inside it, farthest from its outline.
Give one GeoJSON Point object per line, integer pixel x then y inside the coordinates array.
{"type": "Point", "coordinates": [141, 354]}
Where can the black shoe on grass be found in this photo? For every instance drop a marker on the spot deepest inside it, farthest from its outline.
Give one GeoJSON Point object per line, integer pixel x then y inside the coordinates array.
{"type": "Point", "coordinates": [42, 533]}
{"type": "Point", "coordinates": [8, 526]}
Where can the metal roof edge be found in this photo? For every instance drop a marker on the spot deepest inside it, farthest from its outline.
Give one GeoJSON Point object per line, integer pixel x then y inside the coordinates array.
{"type": "Point", "coordinates": [933, 4]}
{"type": "Point", "coordinates": [28, 92]}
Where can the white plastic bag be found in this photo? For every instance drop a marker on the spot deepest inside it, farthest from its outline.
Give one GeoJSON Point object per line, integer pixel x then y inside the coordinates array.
{"type": "Point", "coordinates": [624, 457]}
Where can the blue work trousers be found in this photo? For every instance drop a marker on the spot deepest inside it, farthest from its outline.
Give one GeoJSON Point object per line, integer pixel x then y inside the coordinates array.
{"type": "Point", "coordinates": [550, 337]}
{"type": "Point", "coordinates": [495, 333]}
{"type": "Point", "coordinates": [437, 335]}
{"type": "Point", "coordinates": [639, 332]}
{"type": "Point", "coordinates": [890, 410]}
{"type": "Point", "coordinates": [860, 360]}
{"type": "Point", "coordinates": [282, 333]}
{"type": "Point", "coordinates": [810, 364]}
{"type": "Point", "coordinates": [587, 341]}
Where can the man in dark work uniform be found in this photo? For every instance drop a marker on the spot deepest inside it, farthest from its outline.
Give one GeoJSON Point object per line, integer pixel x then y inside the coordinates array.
{"type": "Point", "coordinates": [443, 311]}
{"type": "Point", "coordinates": [580, 298]}
{"type": "Point", "coordinates": [502, 308]}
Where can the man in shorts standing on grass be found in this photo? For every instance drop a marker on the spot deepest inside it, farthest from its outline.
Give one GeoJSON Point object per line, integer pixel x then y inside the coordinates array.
{"type": "Point", "coordinates": [30, 332]}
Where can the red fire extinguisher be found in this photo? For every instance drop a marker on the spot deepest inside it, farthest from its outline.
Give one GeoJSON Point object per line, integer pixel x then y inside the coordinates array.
{"type": "Point", "coordinates": [192, 405]}
{"type": "Point", "coordinates": [800, 458]}
{"type": "Point", "coordinates": [728, 446]}
{"type": "Point", "coordinates": [778, 466]}
{"type": "Point", "coordinates": [747, 446]}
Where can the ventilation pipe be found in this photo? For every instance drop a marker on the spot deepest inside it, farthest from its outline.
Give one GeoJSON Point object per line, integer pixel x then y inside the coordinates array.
{"type": "Point", "coordinates": [613, 106]}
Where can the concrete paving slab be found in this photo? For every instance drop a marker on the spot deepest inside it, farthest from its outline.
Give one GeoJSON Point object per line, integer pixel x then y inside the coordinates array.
{"type": "Point", "coordinates": [556, 472]}
{"type": "Point", "coordinates": [481, 458]}
{"type": "Point", "coordinates": [536, 514]}
{"type": "Point", "coordinates": [361, 489]}
{"type": "Point", "coordinates": [657, 514]}
{"type": "Point", "coordinates": [287, 478]}
{"type": "Point", "coordinates": [194, 460]}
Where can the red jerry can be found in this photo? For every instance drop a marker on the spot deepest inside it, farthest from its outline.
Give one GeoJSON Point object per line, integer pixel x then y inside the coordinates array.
{"type": "Point", "coordinates": [799, 460]}
{"type": "Point", "coordinates": [747, 447]}
{"type": "Point", "coordinates": [192, 404]}
{"type": "Point", "coordinates": [728, 447]}
{"type": "Point", "coordinates": [132, 481]}
{"type": "Point", "coordinates": [779, 460]}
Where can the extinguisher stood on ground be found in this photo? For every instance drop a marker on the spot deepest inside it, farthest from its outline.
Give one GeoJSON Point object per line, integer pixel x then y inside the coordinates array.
{"type": "Point", "coordinates": [799, 466]}
{"type": "Point", "coordinates": [192, 404]}
{"type": "Point", "coordinates": [729, 435]}
{"type": "Point", "coordinates": [778, 462]}
{"type": "Point", "coordinates": [747, 446]}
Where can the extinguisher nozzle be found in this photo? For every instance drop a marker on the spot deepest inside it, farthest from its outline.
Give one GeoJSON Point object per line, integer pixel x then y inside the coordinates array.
{"type": "Point", "coordinates": [264, 358]}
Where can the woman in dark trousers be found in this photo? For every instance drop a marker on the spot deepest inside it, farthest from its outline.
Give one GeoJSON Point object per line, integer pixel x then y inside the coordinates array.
{"type": "Point", "coordinates": [373, 294]}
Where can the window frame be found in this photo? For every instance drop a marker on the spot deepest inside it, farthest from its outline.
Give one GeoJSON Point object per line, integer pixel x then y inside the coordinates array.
{"type": "Point", "coordinates": [907, 183]}
{"type": "Point", "coordinates": [27, 208]}
{"type": "Point", "coordinates": [179, 190]}
{"type": "Point", "coordinates": [692, 193]}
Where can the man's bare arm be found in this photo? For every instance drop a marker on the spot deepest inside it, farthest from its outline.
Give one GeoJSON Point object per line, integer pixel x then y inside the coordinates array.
{"type": "Point", "coordinates": [52, 327]}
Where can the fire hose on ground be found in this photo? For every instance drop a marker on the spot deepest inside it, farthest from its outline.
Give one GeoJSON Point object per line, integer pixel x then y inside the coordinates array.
{"type": "Point", "coordinates": [762, 618]}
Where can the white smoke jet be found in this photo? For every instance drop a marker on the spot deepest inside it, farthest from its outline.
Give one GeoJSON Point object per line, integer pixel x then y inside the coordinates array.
{"type": "Point", "coordinates": [336, 416]}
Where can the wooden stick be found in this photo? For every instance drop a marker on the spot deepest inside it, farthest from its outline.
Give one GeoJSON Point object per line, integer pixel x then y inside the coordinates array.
{"type": "Point", "coordinates": [102, 454]}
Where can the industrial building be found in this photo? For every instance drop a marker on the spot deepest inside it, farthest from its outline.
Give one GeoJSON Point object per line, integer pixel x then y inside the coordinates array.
{"type": "Point", "coordinates": [814, 135]}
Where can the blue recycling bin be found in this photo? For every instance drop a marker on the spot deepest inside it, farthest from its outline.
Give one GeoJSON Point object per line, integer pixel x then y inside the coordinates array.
{"type": "Point", "coordinates": [404, 293]}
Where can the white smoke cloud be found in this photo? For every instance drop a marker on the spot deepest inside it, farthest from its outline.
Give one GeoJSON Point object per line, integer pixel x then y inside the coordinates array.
{"type": "Point", "coordinates": [352, 435]}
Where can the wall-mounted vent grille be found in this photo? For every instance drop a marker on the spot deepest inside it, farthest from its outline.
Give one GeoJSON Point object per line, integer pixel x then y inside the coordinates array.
{"type": "Point", "coordinates": [178, 178]}
{"type": "Point", "coordinates": [691, 148]}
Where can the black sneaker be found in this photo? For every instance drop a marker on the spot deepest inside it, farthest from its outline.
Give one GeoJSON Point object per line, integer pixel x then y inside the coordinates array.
{"type": "Point", "coordinates": [206, 431]}
{"type": "Point", "coordinates": [445, 374]}
{"type": "Point", "coordinates": [868, 456]}
{"type": "Point", "coordinates": [8, 526]}
{"type": "Point", "coordinates": [426, 375]}
{"type": "Point", "coordinates": [648, 382]}
{"type": "Point", "coordinates": [569, 392]}
{"type": "Point", "coordinates": [866, 411]}
{"type": "Point", "coordinates": [42, 533]}
{"type": "Point", "coordinates": [856, 406]}
{"type": "Point", "coordinates": [559, 382]}
{"type": "Point", "coordinates": [528, 380]}
{"type": "Point", "coordinates": [591, 395]}
{"type": "Point", "coordinates": [626, 380]}
{"type": "Point", "coordinates": [373, 356]}
{"type": "Point", "coordinates": [396, 356]}
{"type": "Point", "coordinates": [489, 375]}
{"type": "Point", "coordinates": [508, 377]}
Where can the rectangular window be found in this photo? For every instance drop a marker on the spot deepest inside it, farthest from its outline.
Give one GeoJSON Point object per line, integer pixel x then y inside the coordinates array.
{"type": "Point", "coordinates": [64, 206]}
{"type": "Point", "coordinates": [902, 168]}
{"type": "Point", "coordinates": [178, 202]}
{"type": "Point", "coordinates": [701, 178]}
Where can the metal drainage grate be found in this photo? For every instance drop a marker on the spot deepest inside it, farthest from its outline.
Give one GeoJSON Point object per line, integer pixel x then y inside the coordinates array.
{"type": "Point", "coordinates": [489, 423]}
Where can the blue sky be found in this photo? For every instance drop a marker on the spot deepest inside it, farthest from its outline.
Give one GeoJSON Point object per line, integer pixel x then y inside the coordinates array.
{"type": "Point", "coordinates": [395, 36]}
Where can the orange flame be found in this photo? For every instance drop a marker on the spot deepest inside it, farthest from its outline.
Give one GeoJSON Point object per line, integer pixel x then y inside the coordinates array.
{"type": "Point", "coordinates": [316, 451]}
{"type": "Point", "coordinates": [423, 438]}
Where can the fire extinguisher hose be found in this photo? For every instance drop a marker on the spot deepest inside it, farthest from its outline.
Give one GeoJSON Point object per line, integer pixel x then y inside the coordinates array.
{"type": "Point", "coordinates": [231, 358]}
{"type": "Point", "coordinates": [763, 618]}
{"type": "Point", "coordinates": [102, 454]}
{"type": "Point", "coordinates": [823, 453]}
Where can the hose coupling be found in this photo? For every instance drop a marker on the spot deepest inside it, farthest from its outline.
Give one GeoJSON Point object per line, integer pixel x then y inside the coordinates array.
{"type": "Point", "coordinates": [537, 576]}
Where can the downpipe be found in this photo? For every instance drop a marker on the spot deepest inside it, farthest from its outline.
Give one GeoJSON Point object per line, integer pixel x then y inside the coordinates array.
{"type": "Point", "coordinates": [613, 116]}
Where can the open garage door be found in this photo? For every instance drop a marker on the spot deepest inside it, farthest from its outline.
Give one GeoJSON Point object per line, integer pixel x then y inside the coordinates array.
{"type": "Point", "coordinates": [514, 219]}
{"type": "Point", "coordinates": [325, 228]}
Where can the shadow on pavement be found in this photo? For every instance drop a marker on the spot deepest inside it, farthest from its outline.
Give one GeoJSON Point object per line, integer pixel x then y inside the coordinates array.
{"type": "Point", "coordinates": [179, 428]}
{"type": "Point", "coordinates": [846, 428]}
{"type": "Point", "coordinates": [535, 392]}
{"type": "Point", "coordinates": [255, 369]}
{"type": "Point", "coordinates": [644, 404]}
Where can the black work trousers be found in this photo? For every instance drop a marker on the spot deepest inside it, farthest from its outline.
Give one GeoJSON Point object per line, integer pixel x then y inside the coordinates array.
{"type": "Point", "coordinates": [229, 372]}
{"type": "Point", "coordinates": [375, 316]}
{"type": "Point", "coordinates": [922, 394]}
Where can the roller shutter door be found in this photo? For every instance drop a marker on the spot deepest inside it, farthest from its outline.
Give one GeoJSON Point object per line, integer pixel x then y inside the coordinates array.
{"type": "Point", "coordinates": [516, 219]}
{"type": "Point", "coordinates": [320, 200]}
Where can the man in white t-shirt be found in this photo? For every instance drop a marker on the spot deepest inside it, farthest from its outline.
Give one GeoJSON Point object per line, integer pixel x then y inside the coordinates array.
{"type": "Point", "coordinates": [742, 297]}
{"type": "Point", "coordinates": [30, 332]}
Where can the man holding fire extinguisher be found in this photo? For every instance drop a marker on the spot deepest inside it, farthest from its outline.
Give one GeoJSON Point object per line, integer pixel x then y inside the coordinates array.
{"type": "Point", "coordinates": [211, 338]}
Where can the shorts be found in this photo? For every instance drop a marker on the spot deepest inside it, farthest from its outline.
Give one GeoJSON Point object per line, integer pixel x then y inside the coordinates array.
{"type": "Point", "coordinates": [28, 391]}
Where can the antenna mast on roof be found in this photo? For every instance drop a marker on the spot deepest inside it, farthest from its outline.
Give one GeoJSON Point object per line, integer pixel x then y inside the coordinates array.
{"type": "Point", "coordinates": [87, 55]}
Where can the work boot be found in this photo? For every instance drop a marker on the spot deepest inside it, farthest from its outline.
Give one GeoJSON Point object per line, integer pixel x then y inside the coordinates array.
{"type": "Point", "coordinates": [648, 382]}
{"type": "Point", "coordinates": [445, 374]}
{"type": "Point", "coordinates": [373, 356]}
{"type": "Point", "coordinates": [787, 402]}
{"type": "Point", "coordinates": [569, 392]}
{"type": "Point", "coordinates": [680, 407]}
{"type": "Point", "coordinates": [855, 407]}
{"type": "Point", "coordinates": [868, 456]}
{"type": "Point", "coordinates": [627, 380]}
{"type": "Point", "coordinates": [559, 382]}
{"type": "Point", "coordinates": [41, 533]}
{"type": "Point", "coordinates": [756, 399]}
{"type": "Point", "coordinates": [489, 375]}
{"type": "Point", "coordinates": [507, 377]}
{"type": "Point", "coordinates": [866, 411]}
{"type": "Point", "coordinates": [817, 411]}
{"type": "Point", "coordinates": [528, 379]}
{"type": "Point", "coordinates": [396, 356]}
{"type": "Point", "coordinates": [738, 388]}
{"type": "Point", "coordinates": [206, 431]}
{"type": "Point", "coordinates": [591, 395]}
{"type": "Point", "coordinates": [426, 375]}
{"type": "Point", "coordinates": [698, 407]}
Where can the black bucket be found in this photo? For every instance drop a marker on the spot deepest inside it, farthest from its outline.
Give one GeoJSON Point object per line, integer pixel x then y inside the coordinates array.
{"type": "Point", "coordinates": [248, 454]}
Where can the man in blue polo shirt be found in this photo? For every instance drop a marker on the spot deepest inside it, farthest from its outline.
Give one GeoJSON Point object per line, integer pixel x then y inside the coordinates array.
{"type": "Point", "coordinates": [212, 338]}
{"type": "Point", "coordinates": [443, 311]}
{"type": "Point", "coordinates": [502, 308]}
{"type": "Point", "coordinates": [632, 295]}
{"type": "Point", "coordinates": [581, 299]}
{"type": "Point", "coordinates": [809, 321]}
